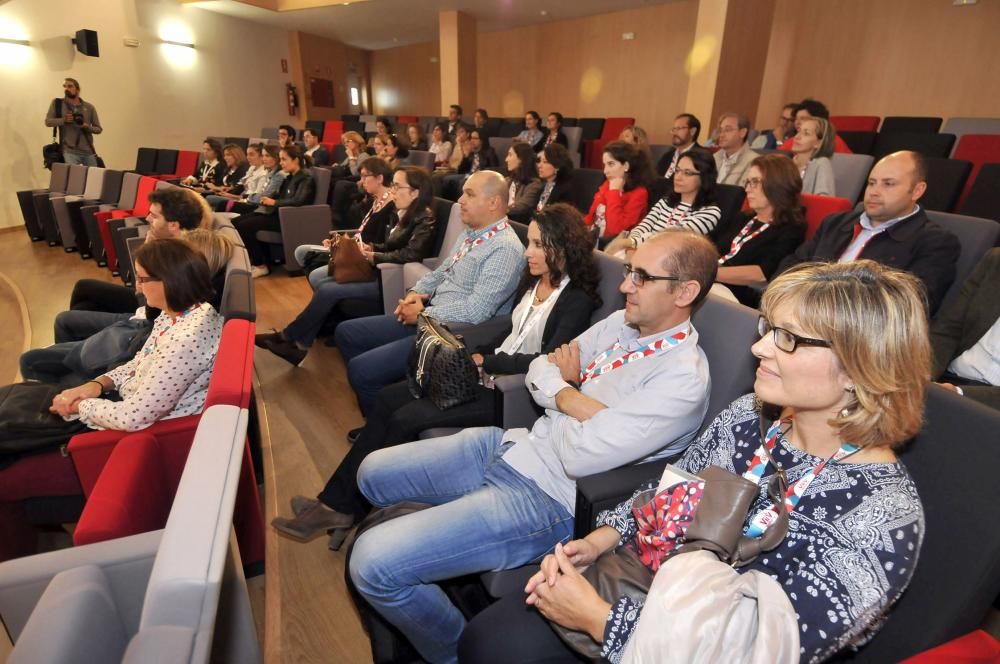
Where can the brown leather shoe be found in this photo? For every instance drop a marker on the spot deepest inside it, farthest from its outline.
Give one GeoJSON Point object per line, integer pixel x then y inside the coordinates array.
{"type": "Point", "coordinates": [315, 520]}
{"type": "Point", "coordinates": [302, 503]}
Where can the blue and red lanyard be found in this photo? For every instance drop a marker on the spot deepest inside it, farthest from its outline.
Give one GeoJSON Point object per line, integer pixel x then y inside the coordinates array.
{"type": "Point", "coordinates": [600, 366]}
{"type": "Point", "coordinates": [469, 245]}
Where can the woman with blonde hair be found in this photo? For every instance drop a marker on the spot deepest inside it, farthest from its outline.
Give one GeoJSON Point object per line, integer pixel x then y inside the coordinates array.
{"type": "Point", "coordinates": [812, 150]}
{"type": "Point", "coordinates": [214, 246]}
{"type": "Point", "coordinates": [832, 403]}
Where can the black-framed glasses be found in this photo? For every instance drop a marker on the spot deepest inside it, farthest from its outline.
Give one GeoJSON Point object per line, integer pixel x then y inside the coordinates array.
{"type": "Point", "coordinates": [785, 340]}
{"type": "Point", "coordinates": [639, 276]}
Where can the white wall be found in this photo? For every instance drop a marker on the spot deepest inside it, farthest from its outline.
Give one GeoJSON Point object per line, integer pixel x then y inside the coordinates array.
{"type": "Point", "coordinates": [231, 84]}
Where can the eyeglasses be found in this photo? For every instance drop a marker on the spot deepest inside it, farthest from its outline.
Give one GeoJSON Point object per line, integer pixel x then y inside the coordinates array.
{"type": "Point", "coordinates": [686, 172]}
{"type": "Point", "coordinates": [728, 130]}
{"type": "Point", "coordinates": [398, 187]}
{"type": "Point", "coordinates": [752, 183]}
{"type": "Point", "coordinates": [785, 340]}
{"type": "Point", "coordinates": [146, 280]}
{"type": "Point", "coordinates": [639, 277]}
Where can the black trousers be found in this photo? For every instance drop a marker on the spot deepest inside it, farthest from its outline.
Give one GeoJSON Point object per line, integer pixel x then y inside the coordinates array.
{"type": "Point", "coordinates": [95, 295]}
{"type": "Point", "coordinates": [397, 418]}
{"type": "Point", "coordinates": [247, 225]}
{"type": "Point", "coordinates": [512, 631]}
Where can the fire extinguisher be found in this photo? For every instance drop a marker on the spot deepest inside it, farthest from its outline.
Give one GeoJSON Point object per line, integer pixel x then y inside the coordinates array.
{"type": "Point", "coordinates": [293, 99]}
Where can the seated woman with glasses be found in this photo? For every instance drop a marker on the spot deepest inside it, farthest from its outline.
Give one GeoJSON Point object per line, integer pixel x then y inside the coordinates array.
{"type": "Point", "coordinates": [522, 179]}
{"type": "Point", "coordinates": [556, 298]}
{"type": "Point", "coordinates": [555, 170]}
{"type": "Point", "coordinates": [775, 226]}
{"type": "Point", "coordinates": [690, 205]}
{"type": "Point", "coordinates": [836, 402]}
{"type": "Point", "coordinates": [621, 201]}
{"type": "Point", "coordinates": [410, 239]}
{"type": "Point", "coordinates": [354, 147]}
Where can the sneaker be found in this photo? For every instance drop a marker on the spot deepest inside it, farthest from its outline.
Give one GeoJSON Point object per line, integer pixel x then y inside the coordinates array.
{"type": "Point", "coordinates": [354, 434]}
{"type": "Point", "coordinates": [301, 504]}
{"type": "Point", "coordinates": [316, 520]}
{"type": "Point", "coordinates": [289, 351]}
{"type": "Point", "coordinates": [259, 271]}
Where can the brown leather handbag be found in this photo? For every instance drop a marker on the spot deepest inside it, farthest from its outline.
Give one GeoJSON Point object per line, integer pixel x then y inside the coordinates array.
{"type": "Point", "coordinates": [347, 264]}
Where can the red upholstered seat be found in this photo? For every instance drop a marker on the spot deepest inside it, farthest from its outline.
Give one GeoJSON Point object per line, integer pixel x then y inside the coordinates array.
{"type": "Point", "coordinates": [979, 149]}
{"type": "Point", "coordinates": [139, 209]}
{"type": "Point", "coordinates": [406, 119]}
{"type": "Point", "coordinates": [819, 208]}
{"type": "Point", "coordinates": [187, 162]}
{"type": "Point", "coordinates": [855, 122]}
{"type": "Point", "coordinates": [976, 647]}
{"type": "Point", "coordinates": [332, 131]}
{"type": "Point", "coordinates": [594, 149]}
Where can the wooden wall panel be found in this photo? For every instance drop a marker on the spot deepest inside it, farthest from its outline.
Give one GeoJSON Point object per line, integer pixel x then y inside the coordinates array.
{"type": "Point", "coordinates": [319, 57]}
{"type": "Point", "coordinates": [896, 57]}
{"type": "Point", "coordinates": [742, 59]}
{"type": "Point", "coordinates": [405, 81]}
{"type": "Point", "coordinates": [583, 68]}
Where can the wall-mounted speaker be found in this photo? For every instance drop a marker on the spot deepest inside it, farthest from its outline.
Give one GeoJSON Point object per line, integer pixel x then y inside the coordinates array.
{"type": "Point", "coordinates": [86, 43]}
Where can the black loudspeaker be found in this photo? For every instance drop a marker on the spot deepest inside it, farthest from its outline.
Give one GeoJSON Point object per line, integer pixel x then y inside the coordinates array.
{"type": "Point", "coordinates": [86, 43]}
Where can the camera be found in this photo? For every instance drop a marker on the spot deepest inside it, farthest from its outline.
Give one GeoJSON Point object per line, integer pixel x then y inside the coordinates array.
{"type": "Point", "coordinates": [78, 118]}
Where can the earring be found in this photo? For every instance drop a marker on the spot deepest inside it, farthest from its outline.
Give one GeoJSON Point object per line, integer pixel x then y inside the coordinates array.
{"type": "Point", "coordinates": [849, 388]}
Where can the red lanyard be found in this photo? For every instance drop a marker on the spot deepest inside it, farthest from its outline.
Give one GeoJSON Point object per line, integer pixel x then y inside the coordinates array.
{"type": "Point", "coordinates": [600, 366]}
{"type": "Point", "coordinates": [377, 205]}
{"type": "Point", "coordinates": [742, 238]}
{"type": "Point", "coordinates": [468, 245]}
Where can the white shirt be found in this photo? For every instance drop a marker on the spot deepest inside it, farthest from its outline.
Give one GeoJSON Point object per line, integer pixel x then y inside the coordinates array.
{"type": "Point", "coordinates": [868, 232]}
{"type": "Point", "coordinates": [982, 361]}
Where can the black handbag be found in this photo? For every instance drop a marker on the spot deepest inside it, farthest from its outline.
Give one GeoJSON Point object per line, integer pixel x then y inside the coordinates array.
{"type": "Point", "coordinates": [27, 426]}
{"type": "Point", "coordinates": [440, 367]}
{"type": "Point", "coordinates": [52, 153]}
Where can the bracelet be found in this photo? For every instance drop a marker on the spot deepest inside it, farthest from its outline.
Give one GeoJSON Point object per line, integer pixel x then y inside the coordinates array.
{"type": "Point", "coordinates": [98, 383]}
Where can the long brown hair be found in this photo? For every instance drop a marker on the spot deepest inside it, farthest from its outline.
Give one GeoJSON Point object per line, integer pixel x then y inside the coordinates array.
{"type": "Point", "coordinates": [782, 185]}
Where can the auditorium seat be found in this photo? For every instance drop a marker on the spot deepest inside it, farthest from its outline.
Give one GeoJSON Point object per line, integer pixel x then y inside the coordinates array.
{"type": "Point", "coordinates": [592, 128]}
{"type": "Point", "coordinates": [338, 153]}
{"type": "Point", "coordinates": [423, 159]}
{"type": "Point", "coordinates": [962, 126]}
{"type": "Point", "coordinates": [926, 143]}
{"type": "Point", "coordinates": [348, 117]}
{"type": "Point", "coordinates": [819, 208]}
{"type": "Point", "coordinates": [945, 181]}
{"type": "Point", "coordinates": [75, 184]}
{"type": "Point", "coordinates": [500, 145]}
{"type": "Point", "coordinates": [448, 216]}
{"type": "Point", "coordinates": [910, 124]}
{"type": "Point", "coordinates": [511, 127]}
{"type": "Point", "coordinates": [729, 198]}
{"type": "Point", "coordinates": [593, 149]}
{"type": "Point", "coordinates": [166, 162]}
{"type": "Point", "coordinates": [656, 152]}
{"type": "Point", "coordinates": [186, 164]}
{"type": "Point", "coordinates": [316, 127]}
{"type": "Point", "coordinates": [139, 208]}
{"type": "Point", "coordinates": [855, 122]}
{"type": "Point", "coordinates": [332, 131]}
{"type": "Point", "coordinates": [406, 120]}
{"type": "Point", "coordinates": [983, 197]}
{"type": "Point", "coordinates": [89, 213]}
{"type": "Point", "coordinates": [585, 183]}
{"type": "Point", "coordinates": [860, 142]}
{"type": "Point", "coordinates": [64, 207]}
{"type": "Point", "coordinates": [270, 133]}
{"type": "Point", "coordinates": [308, 224]}
{"type": "Point", "coordinates": [58, 177]}
{"type": "Point", "coordinates": [145, 161]}
{"type": "Point", "coordinates": [975, 237]}
{"type": "Point", "coordinates": [850, 174]}
{"type": "Point", "coordinates": [979, 149]}
{"type": "Point", "coordinates": [492, 126]}
{"type": "Point", "coordinates": [241, 141]}
{"type": "Point", "coordinates": [574, 139]}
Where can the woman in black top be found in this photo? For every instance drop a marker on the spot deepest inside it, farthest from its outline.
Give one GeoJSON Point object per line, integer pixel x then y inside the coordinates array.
{"type": "Point", "coordinates": [558, 293]}
{"type": "Point", "coordinates": [775, 226]}
{"type": "Point", "coordinates": [410, 239]}
{"type": "Point", "coordinates": [555, 134]}
{"type": "Point", "coordinates": [555, 169]}
{"type": "Point", "coordinates": [211, 169]}
{"type": "Point", "coordinates": [416, 135]}
{"type": "Point", "coordinates": [297, 190]}
{"type": "Point", "coordinates": [478, 154]}
{"type": "Point", "coordinates": [522, 179]}
{"type": "Point", "coordinates": [236, 167]}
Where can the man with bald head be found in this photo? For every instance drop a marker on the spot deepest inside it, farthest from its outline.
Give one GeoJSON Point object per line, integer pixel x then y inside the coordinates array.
{"type": "Point", "coordinates": [892, 229]}
{"type": "Point", "coordinates": [634, 386]}
{"type": "Point", "coordinates": [473, 284]}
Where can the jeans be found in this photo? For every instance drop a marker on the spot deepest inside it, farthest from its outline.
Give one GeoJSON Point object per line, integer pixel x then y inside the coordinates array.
{"type": "Point", "coordinates": [217, 203]}
{"type": "Point", "coordinates": [485, 516]}
{"type": "Point", "coordinates": [375, 349]}
{"type": "Point", "coordinates": [48, 365]}
{"type": "Point", "coordinates": [307, 324]}
{"type": "Point", "coordinates": [321, 274]}
{"type": "Point", "coordinates": [76, 325]}
{"type": "Point", "coordinates": [247, 226]}
{"type": "Point", "coordinates": [96, 295]}
{"type": "Point", "coordinates": [73, 158]}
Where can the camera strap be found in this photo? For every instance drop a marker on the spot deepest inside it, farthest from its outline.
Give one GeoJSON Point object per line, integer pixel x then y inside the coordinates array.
{"type": "Point", "coordinates": [55, 136]}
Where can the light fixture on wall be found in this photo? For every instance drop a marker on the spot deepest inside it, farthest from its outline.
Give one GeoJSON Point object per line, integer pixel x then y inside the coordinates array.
{"type": "Point", "coordinates": [15, 48]}
{"type": "Point", "coordinates": [177, 45]}
{"type": "Point", "coordinates": [16, 42]}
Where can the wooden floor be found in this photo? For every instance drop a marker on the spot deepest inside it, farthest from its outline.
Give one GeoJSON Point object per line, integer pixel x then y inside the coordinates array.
{"type": "Point", "coordinates": [303, 611]}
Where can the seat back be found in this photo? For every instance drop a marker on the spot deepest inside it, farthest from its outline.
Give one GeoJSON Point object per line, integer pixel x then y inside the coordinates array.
{"type": "Point", "coordinates": [860, 142]}
{"type": "Point", "coordinates": [962, 126]}
{"type": "Point", "coordinates": [726, 330]}
{"type": "Point", "coordinates": [333, 130]}
{"type": "Point", "coordinates": [322, 177]}
{"type": "Point", "coordinates": [927, 144]}
{"type": "Point", "coordinates": [975, 237]}
{"type": "Point", "coordinates": [187, 162]}
{"type": "Point", "coordinates": [166, 162]}
{"type": "Point", "coordinates": [500, 145]}
{"type": "Point", "coordinates": [983, 198]}
{"type": "Point", "coordinates": [819, 208]}
{"type": "Point", "coordinates": [141, 206]}
{"type": "Point", "coordinates": [130, 183]}
{"type": "Point", "coordinates": [232, 372]}
{"type": "Point", "coordinates": [957, 577]}
{"type": "Point", "coordinates": [656, 153]}
{"type": "Point", "coordinates": [574, 139]}
{"type": "Point", "coordinates": [442, 214]}
{"type": "Point", "coordinates": [145, 161]}
{"type": "Point", "coordinates": [612, 300]}
{"type": "Point", "coordinates": [614, 126]}
{"type": "Point", "coordinates": [586, 182]}
{"type": "Point", "coordinates": [854, 122]}
{"type": "Point", "coordinates": [270, 133]}
{"type": "Point", "coordinates": [850, 173]}
{"type": "Point", "coordinates": [453, 229]}
{"type": "Point", "coordinates": [520, 230]}
{"type": "Point", "coordinates": [348, 117]}
{"type": "Point", "coordinates": [112, 186]}
{"type": "Point", "coordinates": [241, 141]}
{"type": "Point", "coordinates": [316, 127]}
{"type": "Point", "coordinates": [492, 126]}
{"type": "Point", "coordinates": [945, 181]}
{"type": "Point", "coordinates": [910, 124]}
{"type": "Point", "coordinates": [58, 177]}
{"type": "Point", "coordinates": [422, 158]}
{"type": "Point", "coordinates": [979, 149]}
{"type": "Point", "coordinates": [238, 294]}
{"type": "Point", "coordinates": [592, 128]}
{"type": "Point", "coordinates": [76, 181]}
{"type": "Point", "coordinates": [729, 198]}
{"type": "Point", "coordinates": [95, 183]}
{"type": "Point", "coordinates": [338, 154]}
{"type": "Point", "coordinates": [366, 118]}
{"type": "Point", "coordinates": [511, 127]}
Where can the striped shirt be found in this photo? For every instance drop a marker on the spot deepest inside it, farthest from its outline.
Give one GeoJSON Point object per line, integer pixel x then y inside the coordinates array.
{"type": "Point", "coordinates": [662, 216]}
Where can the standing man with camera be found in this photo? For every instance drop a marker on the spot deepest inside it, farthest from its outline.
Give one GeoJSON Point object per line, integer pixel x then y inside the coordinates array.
{"type": "Point", "coordinates": [77, 122]}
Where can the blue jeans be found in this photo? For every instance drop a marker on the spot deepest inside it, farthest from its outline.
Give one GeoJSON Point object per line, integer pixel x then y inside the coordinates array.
{"type": "Point", "coordinates": [321, 274]}
{"type": "Point", "coordinates": [48, 365]}
{"type": "Point", "coordinates": [77, 325]}
{"type": "Point", "coordinates": [307, 324]}
{"type": "Point", "coordinates": [217, 203]}
{"type": "Point", "coordinates": [73, 158]}
{"type": "Point", "coordinates": [375, 350]}
{"type": "Point", "coordinates": [486, 516]}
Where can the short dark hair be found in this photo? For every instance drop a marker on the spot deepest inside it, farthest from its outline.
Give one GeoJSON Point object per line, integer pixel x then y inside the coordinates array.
{"type": "Point", "coordinates": [311, 132]}
{"type": "Point", "coordinates": [693, 122]}
{"type": "Point", "coordinates": [919, 166]}
{"type": "Point", "coordinates": [182, 269]}
{"type": "Point", "coordinates": [379, 169]}
{"type": "Point", "coordinates": [73, 81]}
{"type": "Point", "coordinates": [815, 108]}
{"type": "Point", "coordinates": [385, 121]}
{"type": "Point", "coordinates": [559, 157]}
{"type": "Point", "coordinates": [296, 154]}
{"type": "Point", "coordinates": [482, 112]}
{"type": "Point", "coordinates": [458, 109]}
{"type": "Point", "coordinates": [215, 146]}
{"type": "Point", "coordinates": [640, 171]}
{"type": "Point", "coordinates": [704, 163]}
{"type": "Point", "coordinates": [443, 126]}
{"type": "Point", "coordinates": [290, 130]}
{"type": "Point", "coordinates": [697, 260]}
{"type": "Point", "coordinates": [181, 206]}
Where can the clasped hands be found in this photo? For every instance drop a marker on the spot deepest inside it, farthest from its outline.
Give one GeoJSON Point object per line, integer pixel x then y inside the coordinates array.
{"type": "Point", "coordinates": [410, 307]}
{"type": "Point", "coordinates": [567, 358]}
{"type": "Point", "coordinates": [563, 595]}
{"type": "Point", "coordinates": [67, 402]}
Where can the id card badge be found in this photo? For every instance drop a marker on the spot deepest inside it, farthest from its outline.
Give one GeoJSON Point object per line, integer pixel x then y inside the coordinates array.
{"type": "Point", "coordinates": [489, 381]}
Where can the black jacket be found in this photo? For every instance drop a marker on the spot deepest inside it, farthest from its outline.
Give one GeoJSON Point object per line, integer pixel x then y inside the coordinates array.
{"type": "Point", "coordinates": [321, 157]}
{"type": "Point", "coordinates": [296, 191]}
{"type": "Point", "coordinates": [231, 177]}
{"type": "Point", "coordinates": [408, 244]}
{"type": "Point", "coordinates": [562, 192]}
{"type": "Point", "coordinates": [568, 319]}
{"type": "Point", "coordinates": [916, 245]}
{"type": "Point", "coordinates": [377, 227]}
{"type": "Point", "coordinates": [664, 163]}
{"type": "Point", "coordinates": [487, 159]}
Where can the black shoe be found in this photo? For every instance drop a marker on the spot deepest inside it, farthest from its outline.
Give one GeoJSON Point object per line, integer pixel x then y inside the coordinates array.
{"type": "Point", "coordinates": [261, 340]}
{"type": "Point", "coordinates": [289, 351]}
{"type": "Point", "coordinates": [354, 434]}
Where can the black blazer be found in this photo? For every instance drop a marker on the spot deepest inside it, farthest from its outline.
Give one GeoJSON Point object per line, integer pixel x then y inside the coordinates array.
{"type": "Point", "coordinates": [377, 227]}
{"type": "Point", "coordinates": [560, 139]}
{"type": "Point", "coordinates": [964, 322]}
{"type": "Point", "coordinates": [916, 245]}
{"type": "Point", "coordinates": [767, 250]}
{"type": "Point", "coordinates": [231, 177]}
{"type": "Point", "coordinates": [321, 157]}
{"type": "Point", "coordinates": [211, 174]}
{"type": "Point", "coordinates": [487, 159]}
{"type": "Point", "coordinates": [664, 163]}
{"type": "Point", "coordinates": [568, 319]}
{"type": "Point", "coordinates": [296, 191]}
{"type": "Point", "coordinates": [408, 244]}
{"type": "Point", "coordinates": [562, 192]}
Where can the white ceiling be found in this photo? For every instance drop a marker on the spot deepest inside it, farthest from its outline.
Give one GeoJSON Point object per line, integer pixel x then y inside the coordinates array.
{"type": "Point", "coordinates": [378, 24]}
